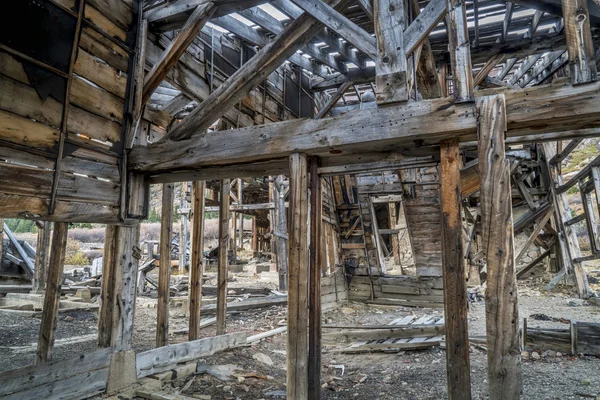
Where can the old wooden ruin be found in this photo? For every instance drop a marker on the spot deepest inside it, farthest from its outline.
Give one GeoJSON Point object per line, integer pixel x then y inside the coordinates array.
{"type": "Point", "coordinates": [350, 125]}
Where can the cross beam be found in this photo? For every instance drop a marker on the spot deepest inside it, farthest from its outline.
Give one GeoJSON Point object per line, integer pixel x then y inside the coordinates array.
{"type": "Point", "coordinates": [406, 125]}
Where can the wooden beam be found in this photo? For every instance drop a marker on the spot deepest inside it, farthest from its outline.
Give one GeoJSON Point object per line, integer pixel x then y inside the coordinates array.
{"type": "Point", "coordinates": [502, 314]}
{"type": "Point", "coordinates": [333, 100]}
{"type": "Point", "coordinates": [250, 75]}
{"type": "Point", "coordinates": [423, 24]}
{"type": "Point", "coordinates": [223, 253]}
{"type": "Point", "coordinates": [534, 235]}
{"type": "Point", "coordinates": [487, 68]}
{"type": "Point", "coordinates": [197, 262]}
{"type": "Point", "coordinates": [506, 23]}
{"type": "Point", "coordinates": [280, 224]}
{"type": "Point", "coordinates": [164, 273]}
{"type": "Point", "coordinates": [42, 252]}
{"type": "Point", "coordinates": [176, 48]}
{"type": "Point", "coordinates": [564, 153]}
{"type": "Point", "coordinates": [582, 60]}
{"type": "Point", "coordinates": [532, 264]}
{"type": "Point", "coordinates": [390, 60]}
{"type": "Point", "coordinates": [107, 299]}
{"type": "Point", "coordinates": [455, 285]}
{"type": "Point", "coordinates": [125, 287]}
{"type": "Point", "coordinates": [337, 22]}
{"type": "Point", "coordinates": [297, 346]}
{"type": "Point", "coordinates": [424, 122]}
{"type": "Point", "coordinates": [52, 293]}
{"type": "Point", "coordinates": [459, 49]}
{"type": "Point", "coordinates": [172, 15]}
{"type": "Point", "coordinates": [314, 316]}
{"type": "Point", "coordinates": [367, 7]}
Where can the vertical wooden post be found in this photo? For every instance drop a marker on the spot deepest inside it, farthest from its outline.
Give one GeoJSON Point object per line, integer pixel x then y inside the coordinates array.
{"type": "Point", "coordinates": [52, 294]}
{"type": "Point", "coordinates": [297, 346]}
{"type": "Point", "coordinates": [580, 47]}
{"type": "Point", "coordinates": [391, 79]}
{"type": "Point", "coordinates": [460, 52]}
{"type": "Point", "coordinates": [280, 225]}
{"type": "Point", "coordinates": [183, 227]}
{"type": "Point", "coordinates": [455, 286]}
{"type": "Point", "coordinates": [164, 277]}
{"type": "Point", "coordinates": [314, 316]}
{"type": "Point", "coordinates": [393, 218]}
{"type": "Point", "coordinates": [254, 235]}
{"type": "Point", "coordinates": [107, 299]}
{"type": "Point", "coordinates": [240, 233]}
{"type": "Point", "coordinates": [222, 271]}
{"type": "Point", "coordinates": [1, 236]}
{"type": "Point", "coordinates": [197, 262]}
{"type": "Point", "coordinates": [501, 302]}
{"type": "Point", "coordinates": [127, 259]}
{"type": "Point", "coordinates": [41, 256]}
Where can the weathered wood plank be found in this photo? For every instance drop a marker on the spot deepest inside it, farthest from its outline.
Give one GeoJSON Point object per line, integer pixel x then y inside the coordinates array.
{"type": "Point", "coordinates": [52, 293]}
{"type": "Point", "coordinates": [223, 251]}
{"type": "Point", "coordinates": [197, 262]}
{"type": "Point", "coordinates": [164, 358]}
{"type": "Point", "coordinates": [502, 315]}
{"type": "Point", "coordinates": [297, 337]}
{"type": "Point", "coordinates": [455, 286]}
{"type": "Point", "coordinates": [390, 58]}
{"type": "Point", "coordinates": [426, 121]}
{"type": "Point", "coordinates": [582, 60]}
{"type": "Point", "coordinates": [164, 277]}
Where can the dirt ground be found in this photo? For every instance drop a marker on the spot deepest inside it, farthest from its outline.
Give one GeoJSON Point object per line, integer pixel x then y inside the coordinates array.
{"type": "Point", "coordinates": [260, 370]}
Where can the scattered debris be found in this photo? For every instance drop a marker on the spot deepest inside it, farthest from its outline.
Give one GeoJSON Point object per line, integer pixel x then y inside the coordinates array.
{"type": "Point", "coordinates": [221, 372]}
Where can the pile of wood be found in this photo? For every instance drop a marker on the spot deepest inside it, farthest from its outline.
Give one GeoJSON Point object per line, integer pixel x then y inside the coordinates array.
{"type": "Point", "coordinates": [398, 291]}
{"type": "Point", "coordinates": [407, 333]}
{"type": "Point", "coordinates": [579, 338]}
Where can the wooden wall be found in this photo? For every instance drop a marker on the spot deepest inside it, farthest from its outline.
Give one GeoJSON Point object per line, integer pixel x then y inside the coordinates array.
{"type": "Point", "coordinates": [31, 110]}
{"type": "Point", "coordinates": [400, 290]}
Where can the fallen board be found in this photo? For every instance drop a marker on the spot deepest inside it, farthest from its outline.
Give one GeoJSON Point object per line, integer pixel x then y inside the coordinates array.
{"type": "Point", "coordinates": [434, 338]}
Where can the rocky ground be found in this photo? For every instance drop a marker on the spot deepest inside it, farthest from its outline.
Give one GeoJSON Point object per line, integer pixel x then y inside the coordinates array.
{"type": "Point", "coordinates": [258, 372]}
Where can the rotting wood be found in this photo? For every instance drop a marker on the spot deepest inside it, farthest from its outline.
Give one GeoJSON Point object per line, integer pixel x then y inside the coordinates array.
{"type": "Point", "coordinates": [459, 49]}
{"type": "Point", "coordinates": [109, 271]}
{"type": "Point", "coordinates": [297, 338]}
{"type": "Point", "coordinates": [502, 315]}
{"type": "Point", "coordinates": [582, 60]}
{"type": "Point", "coordinates": [42, 252]}
{"type": "Point", "coordinates": [223, 249]}
{"type": "Point", "coordinates": [197, 262]}
{"type": "Point", "coordinates": [164, 277]}
{"type": "Point", "coordinates": [52, 293]}
{"type": "Point", "coordinates": [455, 286]}
{"type": "Point", "coordinates": [164, 358]}
{"type": "Point", "coordinates": [177, 47]}
{"type": "Point", "coordinates": [314, 315]}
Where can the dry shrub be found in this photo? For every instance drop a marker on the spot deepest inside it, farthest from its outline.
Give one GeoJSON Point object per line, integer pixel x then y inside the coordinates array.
{"type": "Point", "coordinates": [150, 231]}
{"type": "Point", "coordinates": [211, 229]}
{"type": "Point", "coordinates": [74, 256]}
{"type": "Point", "coordinates": [86, 235]}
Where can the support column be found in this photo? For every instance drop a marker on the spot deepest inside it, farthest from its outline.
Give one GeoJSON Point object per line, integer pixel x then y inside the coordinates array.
{"type": "Point", "coordinates": [455, 286]}
{"type": "Point", "coordinates": [164, 277]}
{"type": "Point", "coordinates": [460, 52]}
{"type": "Point", "coordinates": [222, 271]}
{"type": "Point", "coordinates": [183, 227]}
{"type": "Point", "coordinates": [390, 66]}
{"type": "Point", "coordinates": [280, 230]}
{"type": "Point", "coordinates": [240, 232]}
{"type": "Point", "coordinates": [501, 304]}
{"type": "Point", "coordinates": [254, 237]}
{"type": "Point", "coordinates": [197, 262]}
{"type": "Point", "coordinates": [582, 60]}
{"type": "Point", "coordinates": [314, 316]}
{"type": "Point", "coordinates": [1, 236]}
{"type": "Point", "coordinates": [297, 346]}
{"type": "Point", "coordinates": [393, 219]}
{"type": "Point", "coordinates": [127, 259]}
{"type": "Point", "coordinates": [107, 295]}
{"type": "Point", "coordinates": [41, 256]}
{"type": "Point", "coordinates": [52, 293]}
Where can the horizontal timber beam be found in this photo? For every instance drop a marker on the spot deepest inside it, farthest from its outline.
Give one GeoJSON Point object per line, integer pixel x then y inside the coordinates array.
{"type": "Point", "coordinates": [408, 125]}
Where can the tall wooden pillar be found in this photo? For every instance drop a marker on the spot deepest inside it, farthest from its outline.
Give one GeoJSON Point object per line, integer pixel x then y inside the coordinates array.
{"type": "Point", "coordinates": [42, 250]}
{"type": "Point", "coordinates": [197, 262]}
{"type": "Point", "coordinates": [127, 260]}
{"type": "Point", "coordinates": [297, 346]}
{"type": "Point", "coordinates": [280, 230]}
{"type": "Point", "coordinates": [240, 232]}
{"type": "Point", "coordinates": [223, 247]}
{"type": "Point", "coordinates": [1, 236]}
{"type": "Point", "coordinates": [582, 60]}
{"type": "Point", "coordinates": [314, 316]}
{"type": "Point", "coordinates": [107, 295]}
{"type": "Point", "coordinates": [393, 218]}
{"type": "Point", "coordinates": [164, 277]}
{"type": "Point", "coordinates": [501, 304]}
{"type": "Point", "coordinates": [254, 235]}
{"type": "Point", "coordinates": [455, 286]}
{"type": "Point", "coordinates": [460, 52]}
{"type": "Point", "coordinates": [52, 293]}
